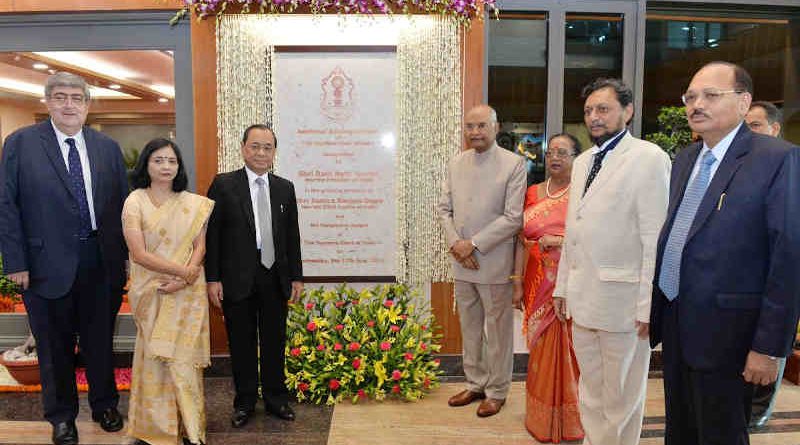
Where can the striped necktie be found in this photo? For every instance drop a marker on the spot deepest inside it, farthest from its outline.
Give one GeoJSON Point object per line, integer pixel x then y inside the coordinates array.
{"type": "Point", "coordinates": [79, 187]}
{"type": "Point", "coordinates": [669, 278]}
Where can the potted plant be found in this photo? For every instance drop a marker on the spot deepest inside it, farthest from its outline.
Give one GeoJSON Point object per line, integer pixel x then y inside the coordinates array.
{"type": "Point", "coordinates": [673, 130]}
{"type": "Point", "coordinates": [22, 362]}
{"type": "Point", "coordinates": [10, 300]}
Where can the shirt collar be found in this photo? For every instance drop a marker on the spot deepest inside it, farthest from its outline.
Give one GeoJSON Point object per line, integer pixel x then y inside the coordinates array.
{"type": "Point", "coordinates": [722, 146]}
{"type": "Point", "coordinates": [252, 176]}
{"type": "Point", "coordinates": [612, 140]}
{"type": "Point", "coordinates": [61, 136]}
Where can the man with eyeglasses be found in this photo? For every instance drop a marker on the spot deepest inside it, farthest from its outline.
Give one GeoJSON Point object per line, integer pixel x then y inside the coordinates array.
{"type": "Point", "coordinates": [480, 211]}
{"type": "Point", "coordinates": [617, 205]}
{"type": "Point", "coordinates": [62, 187]}
{"type": "Point", "coordinates": [725, 303]}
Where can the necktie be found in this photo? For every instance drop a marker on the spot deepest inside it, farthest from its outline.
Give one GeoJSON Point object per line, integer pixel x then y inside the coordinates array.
{"type": "Point", "coordinates": [598, 162]}
{"type": "Point", "coordinates": [265, 225]}
{"type": "Point", "coordinates": [669, 277]}
{"type": "Point", "coordinates": [79, 187]}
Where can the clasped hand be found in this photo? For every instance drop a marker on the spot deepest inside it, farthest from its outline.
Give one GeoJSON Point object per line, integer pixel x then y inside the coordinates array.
{"type": "Point", "coordinates": [462, 250]}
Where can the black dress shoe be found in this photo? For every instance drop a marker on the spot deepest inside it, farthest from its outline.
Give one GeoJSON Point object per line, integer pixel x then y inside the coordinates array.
{"type": "Point", "coordinates": [186, 441]}
{"type": "Point", "coordinates": [65, 433]}
{"type": "Point", "coordinates": [282, 411]}
{"type": "Point", "coordinates": [110, 420]}
{"type": "Point", "coordinates": [240, 417]}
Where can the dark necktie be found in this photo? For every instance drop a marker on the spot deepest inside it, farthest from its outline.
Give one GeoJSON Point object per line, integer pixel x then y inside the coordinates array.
{"type": "Point", "coordinates": [79, 187]}
{"type": "Point", "coordinates": [598, 162]}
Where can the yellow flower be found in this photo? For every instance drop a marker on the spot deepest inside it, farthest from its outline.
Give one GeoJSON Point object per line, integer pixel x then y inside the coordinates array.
{"type": "Point", "coordinates": [380, 373]}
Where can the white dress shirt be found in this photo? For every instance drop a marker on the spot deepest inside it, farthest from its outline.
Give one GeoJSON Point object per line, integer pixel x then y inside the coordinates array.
{"type": "Point", "coordinates": [718, 150]}
{"type": "Point", "coordinates": [251, 181]}
{"type": "Point", "coordinates": [80, 144]}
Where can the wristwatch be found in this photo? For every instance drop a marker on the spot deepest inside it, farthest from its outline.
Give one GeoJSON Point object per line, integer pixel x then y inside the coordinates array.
{"type": "Point", "coordinates": [473, 244]}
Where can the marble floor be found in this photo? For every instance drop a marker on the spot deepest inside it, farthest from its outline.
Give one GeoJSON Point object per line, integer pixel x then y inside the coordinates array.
{"type": "Point", "coordinates": [429, 422]}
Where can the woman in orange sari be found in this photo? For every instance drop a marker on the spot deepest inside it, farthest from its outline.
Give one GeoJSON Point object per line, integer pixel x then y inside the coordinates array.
{"type": "Point", "coordinates": [552, 383]}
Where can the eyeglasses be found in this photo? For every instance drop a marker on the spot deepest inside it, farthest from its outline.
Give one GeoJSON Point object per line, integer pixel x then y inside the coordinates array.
{"type": "Point", "coordinates": [559, 154]}
{"type": "Point", "coordinates": [258, 147]}
{"type": "Point", "coordinates": [480, 126]}
{"type": "Point", "coordinates": [709, 96]}
{"type": "Point", "coordinates": [600, 109]}
{"type": "Point", "coordinates": [62, 99]}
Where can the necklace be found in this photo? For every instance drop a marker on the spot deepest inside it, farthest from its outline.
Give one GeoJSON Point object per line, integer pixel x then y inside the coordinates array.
{"type": "Point", "coordinates": [556, 196]}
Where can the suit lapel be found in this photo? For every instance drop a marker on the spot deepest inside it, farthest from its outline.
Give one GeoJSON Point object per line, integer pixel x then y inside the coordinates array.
{"type": "Point", "coordinates": [727, 169]}
{"type": "Point", "coordinates": [243, 192]}
{"type": "Point", "coordinates": [274, 203]}
{"type": "Point", "coordinates": [93, 152]}
{"type": "Point", "coordinates": [612, 165]}
{"type": "Point", "coordinates": [53, 150]}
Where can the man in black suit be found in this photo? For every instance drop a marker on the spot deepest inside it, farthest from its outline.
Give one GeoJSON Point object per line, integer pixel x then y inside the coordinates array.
{"type": "Point", "coordinates": [62, 186]}
{"type": "Point", "coordinates": [253, 268]}
{"type": "Point", "coordinates": [725, 298]}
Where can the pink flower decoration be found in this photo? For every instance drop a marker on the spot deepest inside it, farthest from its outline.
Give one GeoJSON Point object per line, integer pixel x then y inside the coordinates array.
{"type": "Point", "coordinates": [385, 346]}
{"type": "Point", "coordinates": [302, 386]}
{"type": "Point", "coordinates": [320, 347]}
{"type": "Point", "coordinates": [311, 326]}
{"type": "Point", "coordinates": [409, 356]}
{"type": "Point", "coordinates": [339, 327]}
{"type": "Point", "coordinates": [395, 328]}
{"type": "Point", "coordinates": [295, 352]}
{"type": "Point", "coordinates": [354, 346]}
{"type": "Point", "coordinates": [424, 328]}
{"type": "Point", "coordinates": [388, 303]}
{"type": "Point", "coordinates": [309, 306]}
{"type": "Point", "coordinates": [397, 375]}
{"type": "Point", "coordinates": [396, 389]}
{"type": "Point", "coordinates": [355, 302]}
{"type": "Point", "coordinates": [337, 347]}
{"type": "Point", "coordinates": [426, 383]}
{"type": "Point", "coordinates": [339, 304]}
{"type": "Point", "coordinates": [371, 323]}
{"type": "Point", "coordinates": [333, 384]}
{"type": "Point", "coordinates": [361, 394]}
{"type": "Point", "coordinates": [423, 346]}
{"type": "Point", "coordinates": [356, 363]}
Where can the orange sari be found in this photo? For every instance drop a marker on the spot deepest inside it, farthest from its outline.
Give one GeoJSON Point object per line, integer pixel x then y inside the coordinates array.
{"type": "Point", "coordinates": [552, 383]}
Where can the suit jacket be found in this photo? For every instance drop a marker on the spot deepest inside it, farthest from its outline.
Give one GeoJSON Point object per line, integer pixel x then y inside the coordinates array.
{"type": "Point", "coordinates": [741, 261]}
{"type": "Point", "coordinates": [482, 199]}
{"type": "Point", "coordinates": [39, 218]}
{"type": "Point", "coordinates": [608, 254]}
{"type": "Point", "coordinates": [231, 252]}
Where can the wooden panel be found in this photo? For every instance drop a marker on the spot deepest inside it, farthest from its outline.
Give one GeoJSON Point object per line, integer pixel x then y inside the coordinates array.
{"type": "Point", "coordinates": [442, 308]}
{"type": "Point", "coordinates": [473, 55]}
{"type": "Point", "coordinates": [86, 5]}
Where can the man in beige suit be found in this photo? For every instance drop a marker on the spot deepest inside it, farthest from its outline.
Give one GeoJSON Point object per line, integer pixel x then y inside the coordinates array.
{"type": "Point", "coordinates": [481, 212]}
{"type": "Point", "coordinates": [617, 205]}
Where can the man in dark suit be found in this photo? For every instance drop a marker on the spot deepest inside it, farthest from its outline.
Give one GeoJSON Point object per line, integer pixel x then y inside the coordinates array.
{"type": "Point", "coordinates": [725, 299]}
{"type": "Point", "coordinates": [62, 186]}
{"type": "Point", "coordinates": [253, 268]}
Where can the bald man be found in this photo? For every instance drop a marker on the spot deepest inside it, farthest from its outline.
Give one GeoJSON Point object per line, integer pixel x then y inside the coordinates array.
{"type": "Point", "coordinates": [481, 212]}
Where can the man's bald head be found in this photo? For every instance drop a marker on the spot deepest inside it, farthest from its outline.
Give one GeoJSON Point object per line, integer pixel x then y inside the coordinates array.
{"type": "Point", "coordinates": [480, 127]}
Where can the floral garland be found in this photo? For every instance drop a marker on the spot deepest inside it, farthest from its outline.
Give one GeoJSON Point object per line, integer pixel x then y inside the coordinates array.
{"type": "Point", "coordinates": [462, 10]}
{"type": "Point", "coordinates": [376, 343]}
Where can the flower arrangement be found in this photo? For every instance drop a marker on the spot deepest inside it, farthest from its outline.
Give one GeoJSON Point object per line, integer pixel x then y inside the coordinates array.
{"type": "Point", "coordinates": [461, 10]}
{"type": "Point", "coordinates": [375, 343]}
{"type": "Point", "coordinates": [9, 295]}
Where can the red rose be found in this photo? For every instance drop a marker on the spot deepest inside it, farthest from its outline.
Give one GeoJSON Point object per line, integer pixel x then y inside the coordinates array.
{"type": "Point", "coordinates": [361, 394]}
{"type": "Point", "coordinates": [337, 347]}
{"type": "Point", "coordinates": [339, 327]}
{"type": "Point", "coordinates": [320, 347]}
{"type": "Point", "coordinates": [295, 352]}
{"type": "Point", "coordinates": [388, 303]}
{"type": "Point", "coordinates": [333, 384]}
{"type": "Point", "coordinates": [395, 328]}
{"type": "Point", "coordinates": [409, 356]}
{"type": "Point", "coordinates": [302, 387]}
{"type": "Point", "coordinates": [371, 323]}
{"type": "Point", "coordinates": [354, 346]}
{"type": "Point", "coordinates": [385, 346]}
{"type": "Point", "coordinates": [311, 326]}
{"type": "Point", "coordinates": [396, 389]}
{"type": "Point", "coordinates": [309, 306]}
{"type": "Point", "coordinates": [397, 375]}
{"type": "Point", "coordinates": [339, 304]}
{"type": "Point", "coordinates": [356, 363]}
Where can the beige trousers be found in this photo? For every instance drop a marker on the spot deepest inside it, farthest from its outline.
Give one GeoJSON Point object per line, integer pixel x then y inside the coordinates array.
{"type": "Point", "coordinates": [489, 352]}
{"type": "Point", "coordinates": [613, 384]}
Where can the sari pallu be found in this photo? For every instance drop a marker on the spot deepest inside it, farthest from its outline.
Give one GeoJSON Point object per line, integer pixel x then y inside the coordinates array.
{"type": "Point", "coordinates": [172, 340]}
{"type": "Point", "coordinates": [552, 382]}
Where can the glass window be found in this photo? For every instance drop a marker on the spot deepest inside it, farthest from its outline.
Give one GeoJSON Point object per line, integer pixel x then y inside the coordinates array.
{"type": "Point", "coordinates": [677, 46]}
{"type": "Point", "coordinates": [593, 49]}
{"type": "Point", "coordinates": [518, 85]}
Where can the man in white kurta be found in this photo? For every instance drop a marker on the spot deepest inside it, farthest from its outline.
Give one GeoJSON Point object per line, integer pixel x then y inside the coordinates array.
{"type": "Point", "coordinates": [481, 212]}
{"type": "Point", "coordinates": [617, 205]}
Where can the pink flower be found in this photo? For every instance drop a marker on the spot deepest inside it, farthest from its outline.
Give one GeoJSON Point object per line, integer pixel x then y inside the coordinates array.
{"type": "Point", "coordinates": [371, 323]}
{"type": "Point", "coordinates": [356, 363]}
{"type": "Point", "coordinates": [409, 356]}
{"type": "Point", "coordinates": [397, 375]}
{"type": "Point", "coordinates": [426, 383]}
{"type": "Point", "coordinates": [403, 316]}
{"type": "Point", "coordinates": [339, 304]}
{"type": "Point", "coordinates": [423, 346]}
{"type": "Point", "coordinates": [333, 384]}
{"type": "Point", "coordinates": [311, 326]}
{"type": "Point", "coordinates": [295, 352]}
{"type": "Point", "coordinates": [388, 303]}
{"type": "Point", "coordinates": [320, 347]}
{"type": "Point", "coordinates": [395, 328]}
{"type": "Point", "coordinates": [355, 301]}
{"type": "Point", "coordinates": [424, 328]}
{"type": "Point", "coordinates": [302, 386]}
{"type": "Point", "coordinates": [437, 361]}
{"type": "Point", "coordinates": [337, 347]}
{"type": "Point", "coordinates": [396, 389]}
{"type": "Point", "coordinates": [339, 327]}
{"type": "Point", "coordinates": [309, 306]}
{"type": "Point", "coordinates": [354, 346]}
{"type": "Point", "coordinates": [385, 346]}
{"type": "Point", "coordinates": [361, 394]}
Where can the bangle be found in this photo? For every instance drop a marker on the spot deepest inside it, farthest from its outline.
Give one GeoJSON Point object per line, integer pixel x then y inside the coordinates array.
{"type": "Point", "coordinates": [515, 277]}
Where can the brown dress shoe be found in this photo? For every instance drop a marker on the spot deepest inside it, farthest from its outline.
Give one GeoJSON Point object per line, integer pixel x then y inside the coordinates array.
{"type": "Point", "coordinates": [490, 407]}
{"type": "Point", "coordinates": [465, 397]}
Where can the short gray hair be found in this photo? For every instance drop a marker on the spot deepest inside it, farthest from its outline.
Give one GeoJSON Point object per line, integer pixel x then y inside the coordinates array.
{"type": "Point", "coordinates": [67, 80]}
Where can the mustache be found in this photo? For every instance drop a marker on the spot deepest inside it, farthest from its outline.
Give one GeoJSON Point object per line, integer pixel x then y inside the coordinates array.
{"type": "Point", "coordinates": [698, 113]}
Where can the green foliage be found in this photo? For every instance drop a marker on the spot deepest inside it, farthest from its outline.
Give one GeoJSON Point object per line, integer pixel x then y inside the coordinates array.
{"type": "Point", "coordinates": [674, 132]}
{"type": "Point", "coordinates": [376, 343]}
{"type": "Point", "coordinates": [130, 156]}
{"type": "Point", "coordinates": [7, 287]}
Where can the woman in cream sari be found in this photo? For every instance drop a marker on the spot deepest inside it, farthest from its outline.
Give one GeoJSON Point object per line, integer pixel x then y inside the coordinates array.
{"type": "Point", "coordinates": [164, 226]}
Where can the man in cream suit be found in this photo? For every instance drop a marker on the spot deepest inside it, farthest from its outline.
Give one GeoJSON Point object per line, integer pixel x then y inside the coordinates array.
{"type": "Point", "coordinates": [617, 205]}
{"type": "Point", "coordinates": [481, 212]}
